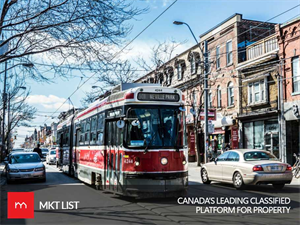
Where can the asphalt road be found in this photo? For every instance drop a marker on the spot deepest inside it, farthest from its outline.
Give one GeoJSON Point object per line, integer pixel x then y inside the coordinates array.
{"type": "Point", "coordinates": [98, 207]}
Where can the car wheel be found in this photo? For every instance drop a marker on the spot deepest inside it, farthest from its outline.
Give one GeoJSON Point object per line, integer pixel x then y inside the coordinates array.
{"type": "Point", "coordinates": [278, 186]}
{"type": "Point", "coordinates": [204, 177]}
{"type": "Point", "coordinates": [238, 181]}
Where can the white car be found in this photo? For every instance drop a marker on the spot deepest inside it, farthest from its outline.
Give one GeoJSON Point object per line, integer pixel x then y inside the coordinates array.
{"type": "Point", "coordinates": [51, 157]}
{"type": "Point", "coordinates": [247, 167]}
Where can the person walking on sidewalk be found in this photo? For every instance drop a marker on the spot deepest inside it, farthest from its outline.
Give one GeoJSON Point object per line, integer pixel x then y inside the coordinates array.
{"type": "Point", "coordinates": [38, 150]}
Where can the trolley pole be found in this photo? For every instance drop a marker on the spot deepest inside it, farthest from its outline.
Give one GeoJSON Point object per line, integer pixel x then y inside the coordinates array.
{"type": "Point", "coordinates": [205, 101]}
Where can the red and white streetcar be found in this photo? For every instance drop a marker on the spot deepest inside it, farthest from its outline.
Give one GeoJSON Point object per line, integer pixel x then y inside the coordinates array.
{"type": "Point", "coordinates": [131, 142]}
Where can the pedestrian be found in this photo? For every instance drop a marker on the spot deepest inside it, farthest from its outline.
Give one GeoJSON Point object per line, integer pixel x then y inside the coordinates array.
{"type": "Point", "coordinates": [38, 150]}
{"type": "Point", "coordinates": [215, 148]}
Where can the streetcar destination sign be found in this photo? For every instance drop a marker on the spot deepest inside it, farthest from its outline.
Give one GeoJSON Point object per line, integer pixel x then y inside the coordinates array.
{"type": "Point", "coordinates": [158, 97]}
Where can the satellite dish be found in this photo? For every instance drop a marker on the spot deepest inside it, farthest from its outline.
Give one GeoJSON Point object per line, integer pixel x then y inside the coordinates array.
{"type": "Point", "coordinates": [192, 111]}
{"type": "Point", "coordinates": [120, 124]}
{"type": "Point", "coordinates": [135, 123]}
{"type": "Point", "coordinates": [182, 109]}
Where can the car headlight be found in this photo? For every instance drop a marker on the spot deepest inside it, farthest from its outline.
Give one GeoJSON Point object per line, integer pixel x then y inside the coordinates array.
{"type": "Point", "coordinates": [39, 169]}
{"type": "Point", "coordinates": [13, 170]}
{"type": "Point", "coordinates": [164, 161]}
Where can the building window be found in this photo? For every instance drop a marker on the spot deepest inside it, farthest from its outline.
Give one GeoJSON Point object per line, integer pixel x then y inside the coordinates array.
{"type": "Point", "coordinates": [193, 64]}
{"type": "Point", "coordinates": [230, 97]}
{"type": "Point", "coordinates": [219, 96]}
{"type": "Point", "coordinates": [229, 52]}
{"type": "Point", "coordinates": [169, 78]}
{"type": "Point", "coordinates": [210, 99]}
{"type": "Point", "coordinates": [257, 91]}
{"type": "Point", "coordinates": [218, 58]}
{"type": "Point", "coordinates": [179, 71]}
{"type": "Point", "coordinates": [296, 74]}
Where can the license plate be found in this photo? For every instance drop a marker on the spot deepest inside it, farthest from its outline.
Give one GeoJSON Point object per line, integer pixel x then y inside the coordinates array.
{"type": "Point", "coordinates": [26, 176]}
{"type": "Point", "coordinates": [275, 168]}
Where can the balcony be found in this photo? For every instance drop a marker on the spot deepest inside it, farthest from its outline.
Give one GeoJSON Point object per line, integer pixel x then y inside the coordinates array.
{"type": "Point", "coordinates": [264, 46]}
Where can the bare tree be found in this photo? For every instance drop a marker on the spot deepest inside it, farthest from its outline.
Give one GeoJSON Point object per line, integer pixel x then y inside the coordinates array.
{"type": "Point", "coordinates": [160, 53]}
{"type": "Point", "coordinates": [20, 113]}
{"type": "Point", "coordinates": [68, 31]}
{"type": "Point", "coordinates": [112, 75]}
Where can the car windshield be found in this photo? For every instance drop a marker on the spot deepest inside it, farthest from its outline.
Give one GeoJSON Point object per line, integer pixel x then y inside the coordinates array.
{"type": "Point", "coordinates": [45, 150]}
{"type": "Point", "coordinates": [52, 152]}
{"type": "Point", "coordinates": [154, 127]}
{"type": "Point", "coordinates": [257, 155]}
{"type": "Point", "coordinates": [25, 158]}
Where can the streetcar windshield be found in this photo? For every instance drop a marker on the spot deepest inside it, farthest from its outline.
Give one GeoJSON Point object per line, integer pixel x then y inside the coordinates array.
{"type": "Point", "coordinates": [154, 127]}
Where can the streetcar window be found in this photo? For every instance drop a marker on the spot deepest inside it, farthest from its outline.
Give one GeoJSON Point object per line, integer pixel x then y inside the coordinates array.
{"type": "Point", "coordinates": [82, 132]}
{"type": "Point", "coordinates": [108, 133]}
{"type": "Point", "coordinates": [87, 132]}
{"type": "Point", "coordinates": [93, 130]}
{"type": "Point", "coordinates": [100, 122]}
{"type": "Point", "coordinates": [100, 129]}
{"type": "Point", "coordinates": [113, 133]}
{"type": "Point", "coordinates": [154, 127]}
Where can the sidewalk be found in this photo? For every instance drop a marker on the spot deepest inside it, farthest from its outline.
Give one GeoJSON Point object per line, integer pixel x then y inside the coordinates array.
{"type": "Point", "coordinates": [194, 175]}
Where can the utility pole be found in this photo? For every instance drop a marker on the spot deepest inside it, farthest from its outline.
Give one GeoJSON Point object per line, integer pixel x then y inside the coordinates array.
{"type": "Point", "coordinates": [4, 98]}
{"type": "Point", "coordinates": [206, 68]}
{"type": "Point", "coordinates": [205, 101]}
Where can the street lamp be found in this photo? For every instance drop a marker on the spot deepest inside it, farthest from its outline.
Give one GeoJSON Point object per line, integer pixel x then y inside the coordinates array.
{"type": "Point", "coordinates": [205, 54]}
{"type": "Point", "coordinates": [4, 98]}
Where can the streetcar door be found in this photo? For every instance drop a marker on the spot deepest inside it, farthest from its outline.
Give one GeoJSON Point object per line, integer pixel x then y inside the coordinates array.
{"type": "Point", "coordinates": [108, 139]}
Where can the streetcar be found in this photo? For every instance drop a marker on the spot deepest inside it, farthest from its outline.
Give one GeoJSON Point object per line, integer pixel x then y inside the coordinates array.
{"type": "Point", "coordinates": [132, 142]}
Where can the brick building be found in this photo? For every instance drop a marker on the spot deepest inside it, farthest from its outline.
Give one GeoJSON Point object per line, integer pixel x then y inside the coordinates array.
{"type": "Point", "coordinates": [258, 115]}
{"type": "Point", "coordinates": [227, 43]}
{"type": "Point", "coordinates": [288, 35]}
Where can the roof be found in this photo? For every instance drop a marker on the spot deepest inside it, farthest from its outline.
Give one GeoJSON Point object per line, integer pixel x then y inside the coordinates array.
{"type": "Point", "coordinates": [290, 21]}
{"type": "Point", "coordinates": [219, 24]}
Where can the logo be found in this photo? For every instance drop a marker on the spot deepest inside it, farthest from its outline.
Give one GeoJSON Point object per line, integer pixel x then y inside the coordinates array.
{"type": "Point", "coordinates": [20, 205]}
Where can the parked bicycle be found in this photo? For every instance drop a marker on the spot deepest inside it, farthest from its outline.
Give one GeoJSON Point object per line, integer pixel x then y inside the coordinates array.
{"type": "Point", "coordinates": [296, 167]}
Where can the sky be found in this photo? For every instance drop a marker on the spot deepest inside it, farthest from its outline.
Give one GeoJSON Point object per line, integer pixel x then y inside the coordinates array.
{"type": "Point", "coordinates": [201, 15]}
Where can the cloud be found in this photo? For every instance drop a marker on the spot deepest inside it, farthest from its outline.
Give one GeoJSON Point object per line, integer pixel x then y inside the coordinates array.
{"type": "Point", "coordinates": [51, 102]}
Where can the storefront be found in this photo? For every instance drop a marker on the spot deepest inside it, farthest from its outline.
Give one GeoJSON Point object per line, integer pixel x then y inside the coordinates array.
{"type": "Point", "coordinates": [292, 117]}
{"type": "Point", "coordinates": [225, 132]}
{"type": "Point", "coordinates": [262, 133]}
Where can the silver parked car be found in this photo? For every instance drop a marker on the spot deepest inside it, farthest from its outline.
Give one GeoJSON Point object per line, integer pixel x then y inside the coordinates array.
{"type": "Point", "coordinates": [51, 157]}
{"type": "Point", "coordinates": [24, 165]}
{"type": "Point", "coordinates": [247, 167]}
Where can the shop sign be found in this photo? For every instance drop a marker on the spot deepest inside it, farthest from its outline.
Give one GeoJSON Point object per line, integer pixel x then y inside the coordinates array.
{"type": "Point", "coordinates": [192, 144]}
{"type": "Point", "coordinates": [234, 137]}
{"type": "Point", "coordinates": [211, 114]}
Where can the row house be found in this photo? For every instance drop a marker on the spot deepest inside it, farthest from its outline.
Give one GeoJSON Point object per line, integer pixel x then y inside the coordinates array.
{"type": "Point", "coordinates": [227, 44]}
{"type": "Point", "coordinates": [258, 94]}
{"type": "Point", "coordinates": [288, 35]}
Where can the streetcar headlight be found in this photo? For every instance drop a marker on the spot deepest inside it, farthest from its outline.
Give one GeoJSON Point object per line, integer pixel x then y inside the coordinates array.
{"type": "Point", "coordinates": [137, 161]}
{"type": "Point", "coordinates": [164, 161]}
{"type": "Point", "coordinates": [183, 162]}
